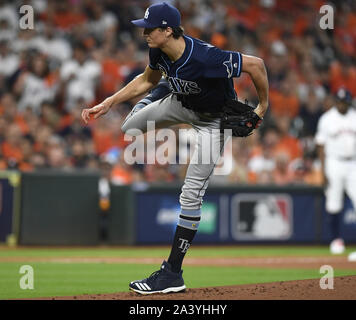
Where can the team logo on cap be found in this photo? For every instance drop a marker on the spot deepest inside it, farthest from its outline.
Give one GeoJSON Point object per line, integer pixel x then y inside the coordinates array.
{"type": "Point", "coordinates": [147, 14]}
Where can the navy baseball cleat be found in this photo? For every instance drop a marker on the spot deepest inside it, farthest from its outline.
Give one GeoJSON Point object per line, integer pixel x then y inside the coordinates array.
{"type": "Point", "coordinates": [161, 281]}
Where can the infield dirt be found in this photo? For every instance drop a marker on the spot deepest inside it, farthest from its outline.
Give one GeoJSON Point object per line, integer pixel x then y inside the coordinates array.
{"type": "Point", "coordinates": [344, 289]}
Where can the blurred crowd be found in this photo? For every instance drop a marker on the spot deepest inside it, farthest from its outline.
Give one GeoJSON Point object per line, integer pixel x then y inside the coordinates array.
{"type": "Point", "coordinates": [81, 51]}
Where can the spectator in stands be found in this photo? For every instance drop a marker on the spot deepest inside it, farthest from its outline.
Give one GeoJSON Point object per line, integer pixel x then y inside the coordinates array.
{"type": "Point", "coordinates": [277, 65]}
{"type": "Point", "coordinates": [122, 173]}
{"type": "Point", "coordinates": [104, 24]}
{"type": "Point", "coordinates": [343, 73]}
{"type": "Point", "coordinates": [263, 160]}
{"type": "Point", "coordinates": [240, 157]}
{"type": "Point", "coordinates": [56, 153]}
{"type": "Point", "coordinates": [56, 47]}
{"type": "Point", "coordinates": [307, 171]}
{"type": "Point", "coordinates": [38, 161]}
{"type": "Point", "coordinates": [80, 76]}
{"type": "Point", "coordinates": [67, 14]}
{"type": "Point", "coordinates": [79, 157]}
{"type": "Point", "coordinates": [310, 85]}
{"type": "Point", "coordinates": [50, 115]}
{"type": "Point", "coordinates": [310, 113]}
{"type": "Point", "coordinates": [284, 101]}
{"type": "Point", "coordinates": [70, 125]}
{"type": "Point", "coordinates": [35, 86]}
{"type": "Point", "coordinates": [28, 40]}
{"type": "Point", "coordinates": [158, 173]}
{"type": "Point", "coordinates": [282, 174]}
{"type": "Point", "coordinates": [287, 142]}
{"type": "Point", "coordinates": [7, 32]}
{"type": "Point", "coordinates": [41, 135]}
{"type": "Point", "coordinates": [75, 55]}
{"type": "Point", "coordinates": [9, 61]}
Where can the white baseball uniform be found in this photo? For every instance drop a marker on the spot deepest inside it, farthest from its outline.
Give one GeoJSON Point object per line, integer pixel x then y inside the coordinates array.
{"type": "Point", "coordinates": [337, 133]}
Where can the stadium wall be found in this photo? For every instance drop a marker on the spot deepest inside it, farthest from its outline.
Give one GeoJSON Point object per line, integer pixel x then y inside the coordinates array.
{"type": "Point", "coordinates": [62, 208]}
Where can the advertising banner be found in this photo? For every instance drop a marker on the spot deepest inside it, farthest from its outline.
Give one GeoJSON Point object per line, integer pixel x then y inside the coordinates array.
{"type": "Point", "coordinates": [157, 218]}
{"type": "Point", "coordinates": [230, 217]}
{"type": "Point", "coordinates": [261, 216]}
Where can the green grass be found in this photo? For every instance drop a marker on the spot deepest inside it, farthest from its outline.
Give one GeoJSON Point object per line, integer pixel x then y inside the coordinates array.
{"type": "Point", "coordinates": [62, 279]}
{"type": "Point", "coordinates": [66, 279]}
{"type": "Point", "coordinates": [196, 251]}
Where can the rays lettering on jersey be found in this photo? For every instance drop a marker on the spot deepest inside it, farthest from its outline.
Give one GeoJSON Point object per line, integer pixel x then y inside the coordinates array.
{"type": "Point", "coordinates": [178, 85]}
{"type": "Point", "coordinates": [183, 86]}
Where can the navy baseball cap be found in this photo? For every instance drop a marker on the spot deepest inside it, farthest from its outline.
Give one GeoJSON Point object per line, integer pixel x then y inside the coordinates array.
{"type": "Point", "coordinates": [159, 15]}
{"type": "Point", "coordinates": [344, 95]}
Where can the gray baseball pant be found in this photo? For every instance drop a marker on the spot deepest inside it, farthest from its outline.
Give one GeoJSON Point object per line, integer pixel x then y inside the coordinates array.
{"type": "Point", "coordinates": [169, 111]}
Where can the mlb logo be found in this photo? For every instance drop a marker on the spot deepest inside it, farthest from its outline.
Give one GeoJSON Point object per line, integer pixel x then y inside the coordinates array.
{"type": "Point", "coordinates": [261, 217]}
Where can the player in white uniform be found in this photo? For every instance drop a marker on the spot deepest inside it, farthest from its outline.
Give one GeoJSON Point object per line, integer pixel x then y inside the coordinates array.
{"type": "Point", "coordinates": [336, 140]}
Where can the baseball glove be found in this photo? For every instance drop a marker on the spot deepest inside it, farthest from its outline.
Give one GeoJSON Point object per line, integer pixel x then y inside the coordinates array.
{"type": "Point", "coordinates": [240, 118]}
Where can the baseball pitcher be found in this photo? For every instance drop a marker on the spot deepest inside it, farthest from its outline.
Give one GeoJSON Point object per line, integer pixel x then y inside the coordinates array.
{"type": "Point", "coordinates": [200, 77]}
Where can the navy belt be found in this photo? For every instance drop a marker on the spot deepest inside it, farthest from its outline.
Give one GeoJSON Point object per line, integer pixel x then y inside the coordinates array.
{"type": "Point", "coordinates": [186, 104]}
{"type": "Point", "coordinates": [210, 114]}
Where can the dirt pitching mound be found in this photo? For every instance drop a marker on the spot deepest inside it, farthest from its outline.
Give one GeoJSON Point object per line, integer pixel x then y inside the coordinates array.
{"type": "Point", "coordinates": [343, 289]}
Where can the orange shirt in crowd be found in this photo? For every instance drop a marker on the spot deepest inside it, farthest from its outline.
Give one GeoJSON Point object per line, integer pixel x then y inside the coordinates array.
{"type": "Point", "coordinates": [65, 121]}
{"type": "Point", "coordinates": [256, 151]}
{"type": "Point", "coordinates": [120, 175]}
{"type": "Point", "coordinates": [26, 167]}
{"type": "Point", "coordinates": [291, 145]}
{"type": "Point", "coordinates": [351, 22]}
{"type": "Point", "coordinates": [219, 40]}
{"type": "Point", "coordinates": [52, 78]}
{"type": "Point", "coordinates": [282, 105]}
{"type": "Point", "coordinates": [301, 24]}
{"type": "Point", "coordinates": [68, 19]}
{"type": "Point", "coordinates": [314, 177]}
{"type": "Point", "coordinates": [252, 177]}
{"type": "Point", "coordinates": [282, 177]}
{"type": "Point", "coordinates": [104, 140]}
{"type": "Point", "coordinates": [21, 122]}
{"type": "Point", "coordinates": [193, 31]}
{"type": "Point", "coordinates": [244, 82]}
{"type": "Point", "coordinates": [249, 18]}
{"type": "Point", "coordinates": [10, 151]}
{"type": "Point", "coordinates": [3, 165]}
{"type": "Point", "coordinates": [38, 147]}
{"type": "Point", "coordinates": [111, 77]}
{"type": "Point", "coordinates": [338, 79]}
